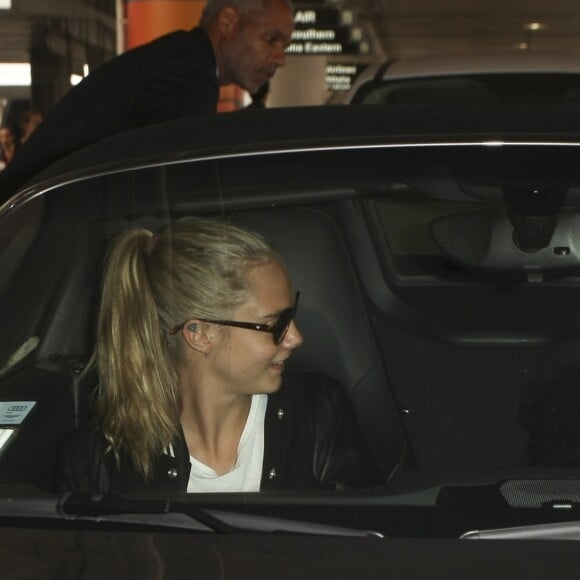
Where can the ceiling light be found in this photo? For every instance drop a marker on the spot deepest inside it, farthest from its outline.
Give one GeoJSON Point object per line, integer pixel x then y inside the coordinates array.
{"type": "Point", "coordinates": [5, 4]}
{"type": "Point", "coordinates": [534, 26]}
{"type": "Point", "coordinates": [15, 74]}
{"type": "Point", "coordinates": [75, 79]}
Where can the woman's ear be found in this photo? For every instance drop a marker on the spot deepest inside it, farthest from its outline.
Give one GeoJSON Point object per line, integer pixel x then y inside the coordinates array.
{"type": "Point", "coordinates": [198, 336]}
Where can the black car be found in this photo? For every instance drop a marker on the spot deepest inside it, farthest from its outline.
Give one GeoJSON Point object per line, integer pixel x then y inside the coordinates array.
{"type": "Point", "coordinates": [437, 252]}
{"type": "Point", "coordinates": [522, 77]}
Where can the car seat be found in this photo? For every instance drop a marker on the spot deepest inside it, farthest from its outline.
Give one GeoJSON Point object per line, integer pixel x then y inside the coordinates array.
{"type": "Point", "coordinates": [338, 340]}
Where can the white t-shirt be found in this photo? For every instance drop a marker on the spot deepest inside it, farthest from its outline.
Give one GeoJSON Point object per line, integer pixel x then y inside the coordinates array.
{"type": "Point", "coordinates": [247, 472]}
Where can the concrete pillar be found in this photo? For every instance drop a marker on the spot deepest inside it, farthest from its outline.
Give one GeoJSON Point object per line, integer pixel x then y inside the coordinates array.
{"type": "Point", "coordinates": [149, 19]}
{"type": "Point", "coordinates": [300, 82]}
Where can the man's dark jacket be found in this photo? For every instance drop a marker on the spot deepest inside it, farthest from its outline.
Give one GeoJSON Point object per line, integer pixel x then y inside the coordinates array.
{"type": "Point", "coordinates": [311, 441]}
{"type": "Point", "coordinates": [171, 77]}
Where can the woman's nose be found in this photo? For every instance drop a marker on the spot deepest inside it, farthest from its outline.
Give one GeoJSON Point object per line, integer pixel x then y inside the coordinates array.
{"type": "Point", "coordinates": [293, 338]}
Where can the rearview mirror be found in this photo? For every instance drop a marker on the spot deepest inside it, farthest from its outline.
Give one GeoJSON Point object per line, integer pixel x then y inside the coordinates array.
{"type": "Point", "coordinates": [490, 242]}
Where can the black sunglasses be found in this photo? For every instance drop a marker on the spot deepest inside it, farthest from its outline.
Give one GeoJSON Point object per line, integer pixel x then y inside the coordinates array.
{"type": "Point", "coordinates": [278, 330]}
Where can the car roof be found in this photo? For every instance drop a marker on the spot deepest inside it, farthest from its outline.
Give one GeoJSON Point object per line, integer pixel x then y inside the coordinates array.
{"type": "Point", "coordinates": [491, 62]}
{"type": "Point", "coordinates": [298, 128]}
{"type": "Point", "coordinates": [500, 62]}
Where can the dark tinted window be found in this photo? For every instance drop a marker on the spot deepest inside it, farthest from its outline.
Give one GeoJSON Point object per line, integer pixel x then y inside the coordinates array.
{"type": "Point", "coordinates": [475, 88]}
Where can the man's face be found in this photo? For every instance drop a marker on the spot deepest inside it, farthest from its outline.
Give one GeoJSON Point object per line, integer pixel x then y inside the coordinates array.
{"type": "Point", "coordinates": [255, 48]}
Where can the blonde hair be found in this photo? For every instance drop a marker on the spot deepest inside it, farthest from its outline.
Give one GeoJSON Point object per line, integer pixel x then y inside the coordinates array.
{"type": "Point", "coordinates": [195, 268]}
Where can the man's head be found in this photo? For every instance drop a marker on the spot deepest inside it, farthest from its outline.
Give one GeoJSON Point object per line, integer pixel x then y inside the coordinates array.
{"type": "Point", "coordinates": [249, 38]}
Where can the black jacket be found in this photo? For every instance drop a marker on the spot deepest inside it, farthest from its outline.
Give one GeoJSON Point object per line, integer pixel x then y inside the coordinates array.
{"type": "Point", "coordinates": [311, 440]}
{"type": "Point", "coordinates": [171, 77]}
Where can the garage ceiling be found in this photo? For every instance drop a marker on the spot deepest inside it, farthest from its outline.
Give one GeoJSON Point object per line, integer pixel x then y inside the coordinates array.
{"type": "Point", "coordinates": [79, 20]}
{"type": "Point", "coordinates": [423, 27]}
{"type": "Point", "coordinates": [394, 27]}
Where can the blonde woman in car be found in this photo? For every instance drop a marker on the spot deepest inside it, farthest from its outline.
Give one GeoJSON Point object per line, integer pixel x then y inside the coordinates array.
{"type": "Point", "coordinates": [195, 329]}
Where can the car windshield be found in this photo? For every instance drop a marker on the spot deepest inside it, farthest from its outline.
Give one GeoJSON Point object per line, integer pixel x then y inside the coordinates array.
{"type": "Point", "coordinates": [438, 286]}
{"type": "Point", "coordinates": [506, 88]}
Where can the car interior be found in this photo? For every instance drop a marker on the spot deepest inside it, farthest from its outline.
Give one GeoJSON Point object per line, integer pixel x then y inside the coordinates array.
{"type": "Point", "coordinates": [435, 293]}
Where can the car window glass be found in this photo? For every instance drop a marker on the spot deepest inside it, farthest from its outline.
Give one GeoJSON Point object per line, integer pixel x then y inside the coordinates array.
{"type": "Point", "coordinates": [404, 299]}
{"type": "Point", "coordinates": [475, 88]}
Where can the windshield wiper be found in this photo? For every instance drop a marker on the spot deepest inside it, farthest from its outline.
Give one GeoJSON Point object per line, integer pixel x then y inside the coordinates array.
{"type": "Point", "coordinates": [554, 531]}
{"type": "Point", "coordinates": [164, 513]}
{"type": "Point", "coordinates": [112, 508]}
